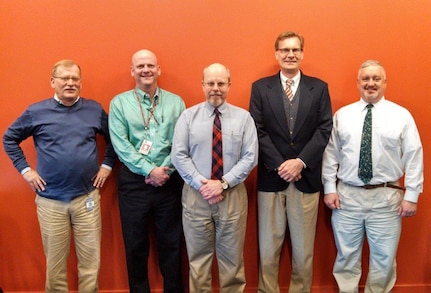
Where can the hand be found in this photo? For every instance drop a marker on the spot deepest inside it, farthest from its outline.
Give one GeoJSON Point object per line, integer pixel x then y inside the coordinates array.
{"type": "Point", "coordinates": [100, 178]}
{"type": "Point", "coordinates": [407, 209]}
{"type": "Point", "coordinates": [290, 170]}
{"type": "Point", "coordinates": [332, 201]}
{"type": "Point", "coordinates": [34, 180]}
{"type": "Point", "coordinates": [211, 190]}
{"type": "Point", "coordinates": [158, 176]}
{"type": "Point", "coordinates": [216, 199]}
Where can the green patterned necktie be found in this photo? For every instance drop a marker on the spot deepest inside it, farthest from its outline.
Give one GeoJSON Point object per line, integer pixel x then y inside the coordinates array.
{"type": "Point", "coordinates": [365, 159]}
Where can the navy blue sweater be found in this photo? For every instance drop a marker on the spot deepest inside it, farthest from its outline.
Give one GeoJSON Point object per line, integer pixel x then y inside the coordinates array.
{"type": "Point", "coordinates": [65, 142]}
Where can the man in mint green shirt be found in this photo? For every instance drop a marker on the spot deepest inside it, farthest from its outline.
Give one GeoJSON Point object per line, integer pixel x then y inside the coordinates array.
{"type": "Point", "coordinates": [141, 125]}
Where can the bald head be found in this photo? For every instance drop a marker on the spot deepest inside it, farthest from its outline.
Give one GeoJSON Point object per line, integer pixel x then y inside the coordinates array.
{"type": "Point", "coordinates": [216, 83]}
{"type": "Point", "coordinates": [216, 67]}
{"type": "Point", "coordinates": [144, 53]}
{"type": "Point", "coordinates": [145, 70]}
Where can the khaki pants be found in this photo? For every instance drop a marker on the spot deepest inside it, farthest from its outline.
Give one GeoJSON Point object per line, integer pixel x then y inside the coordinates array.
{"type": "Point", "coordinates": [221, 228]}
{"type": "Point", "coordinates": [276, 211]}
{"type": "Point", "coordinates": [57, 219]}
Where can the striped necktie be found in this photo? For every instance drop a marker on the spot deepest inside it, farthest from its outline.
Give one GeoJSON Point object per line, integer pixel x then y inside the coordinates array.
{"type": "Point", "coordinates": [288, 89]}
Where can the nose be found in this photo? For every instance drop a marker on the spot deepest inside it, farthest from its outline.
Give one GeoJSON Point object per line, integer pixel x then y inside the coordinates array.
{"type": "Point", "coordinates": [215, 87]}
{"type": "Point", "coordinates": [146, 68]}
{"type": "Point", "coordinates": [371, 82]}
{"type": "Point", "coordinates": [69, 81]}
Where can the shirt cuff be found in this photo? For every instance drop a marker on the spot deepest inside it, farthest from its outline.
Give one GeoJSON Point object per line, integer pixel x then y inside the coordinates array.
{"type": "Point", "coordinates": [329, 187]}
{"type": "Point", "coordinates": [411, 196]}
{"type": "Point", "coordinates": [305, 166]}
{"type": "Point", "coordinates": [106, 167]}
{"type": "Point", "coordinates": [25, 170]}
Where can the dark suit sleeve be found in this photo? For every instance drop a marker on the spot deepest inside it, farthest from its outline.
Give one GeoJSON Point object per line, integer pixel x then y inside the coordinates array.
{"type": "Point", "coordinates": [110, 156]}
{"type": "Point", "coordinates": [269, 155]}
{"type": "Point", "coordinates": [312, 151]}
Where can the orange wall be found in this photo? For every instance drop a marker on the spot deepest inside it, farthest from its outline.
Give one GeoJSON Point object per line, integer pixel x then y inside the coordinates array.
{"type": "Point", "coordinates": [188, 35]}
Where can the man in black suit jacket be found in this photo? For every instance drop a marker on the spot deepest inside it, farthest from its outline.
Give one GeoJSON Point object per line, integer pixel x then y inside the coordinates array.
{"type": "Point", "coordinates": [294, 125]}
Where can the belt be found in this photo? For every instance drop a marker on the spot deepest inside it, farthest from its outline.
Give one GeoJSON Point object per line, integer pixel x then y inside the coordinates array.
{"type": "Point", "coordinates": [387, 184]}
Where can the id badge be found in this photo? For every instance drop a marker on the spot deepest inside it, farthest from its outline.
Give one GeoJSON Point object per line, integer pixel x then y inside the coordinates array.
{"type": "Point", "coordinates": [89, 203]}
{"type": "Point", "coordinates": [145, 147]}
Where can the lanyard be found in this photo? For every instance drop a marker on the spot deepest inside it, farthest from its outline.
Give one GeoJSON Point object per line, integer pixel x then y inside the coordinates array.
{"type": "Point", "coordinates": [152, 109]}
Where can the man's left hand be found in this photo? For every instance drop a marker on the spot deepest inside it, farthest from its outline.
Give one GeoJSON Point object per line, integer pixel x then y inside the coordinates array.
{"type": "Point", "coordinates": [290, 170]}
{"type": "Point", "coordinates": [100, 178]}
{"type": "Point", "coordinates": [407, 209]}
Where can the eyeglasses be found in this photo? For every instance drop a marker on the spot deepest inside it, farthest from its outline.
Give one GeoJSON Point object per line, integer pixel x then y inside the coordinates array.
{"type": "Point", "coordinates": [286, 51]}
{"type": "Point", "coordinates": [65, 79]}
{"type": "Point", "coordinates": [211, 84]}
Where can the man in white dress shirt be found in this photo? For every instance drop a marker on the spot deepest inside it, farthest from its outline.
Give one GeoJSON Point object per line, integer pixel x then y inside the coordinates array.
{"type": "Point", "coordinates": [373, 207]}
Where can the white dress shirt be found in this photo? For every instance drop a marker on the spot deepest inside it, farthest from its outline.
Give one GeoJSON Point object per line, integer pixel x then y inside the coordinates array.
{"type": "Point", "coordinates": [396, 148]}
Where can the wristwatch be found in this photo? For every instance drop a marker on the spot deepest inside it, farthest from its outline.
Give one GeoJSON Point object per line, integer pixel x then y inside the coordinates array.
{"type": "Point", "coordinates": [224, 184]}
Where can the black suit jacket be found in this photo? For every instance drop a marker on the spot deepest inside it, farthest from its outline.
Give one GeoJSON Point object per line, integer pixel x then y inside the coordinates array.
{"type": "Point", "coordinates": [311, 133]}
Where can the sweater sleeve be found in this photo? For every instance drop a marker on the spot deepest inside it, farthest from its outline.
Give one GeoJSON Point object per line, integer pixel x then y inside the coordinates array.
{"type": "Point", "coordinates": [14, 135]}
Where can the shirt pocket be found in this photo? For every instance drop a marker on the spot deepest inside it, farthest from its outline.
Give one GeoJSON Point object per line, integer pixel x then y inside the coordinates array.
{"type": "Point", "coordinates": [389, 140]}
{"type": "Point", "coordinates": [232, 143]}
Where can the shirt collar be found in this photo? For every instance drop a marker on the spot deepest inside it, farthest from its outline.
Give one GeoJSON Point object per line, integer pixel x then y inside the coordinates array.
{"type": "Point", "coordinates": [210, 108]}
{"type": "Point", "coordinates": [363, 104]}
{"type": "Point", "coordinates": [61, 103]}
{"type": "Point", "coordinates": [296, 79]}
{"type": "Point", "coordinates": [143, 95]}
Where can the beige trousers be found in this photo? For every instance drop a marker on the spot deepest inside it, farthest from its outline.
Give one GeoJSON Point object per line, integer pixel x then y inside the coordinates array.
{"type": "Point", "coordinates": [57, 220]}
{"type": "Point", "coordinates": [276, 211]}
{"type": "Point", "coordinates": [216, 228]}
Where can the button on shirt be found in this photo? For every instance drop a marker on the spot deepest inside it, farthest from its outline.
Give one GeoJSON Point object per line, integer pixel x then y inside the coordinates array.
{"type": "Point", "coordinates": [127, 128]}
{"type": "Point", "coordinates": [192, 144]}
{"type": "Point", "coordinates": [396, 148]}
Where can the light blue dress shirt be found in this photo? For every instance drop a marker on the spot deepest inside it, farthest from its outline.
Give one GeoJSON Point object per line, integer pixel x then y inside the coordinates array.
{"type": "Point", "coordinates": [192, 144]}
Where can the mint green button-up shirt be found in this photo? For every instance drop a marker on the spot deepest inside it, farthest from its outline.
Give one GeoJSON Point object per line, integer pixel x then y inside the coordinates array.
{"type": "Point", "coordinates": [131, 122]}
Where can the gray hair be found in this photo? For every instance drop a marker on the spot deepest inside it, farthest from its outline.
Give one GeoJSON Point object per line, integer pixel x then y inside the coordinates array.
{"type": "Point", "coordinates": [372, 63]}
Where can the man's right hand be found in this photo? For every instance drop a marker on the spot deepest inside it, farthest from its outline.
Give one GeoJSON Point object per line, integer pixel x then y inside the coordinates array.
{"type": "Point", "coordinates": [158, 176]}
{"type": "Point", "coordinates": [332, 201]}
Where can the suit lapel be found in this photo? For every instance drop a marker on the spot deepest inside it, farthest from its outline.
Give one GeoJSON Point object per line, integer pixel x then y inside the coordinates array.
{"type": "Point", "coordinates": [275, 100]}
{"type": "Point", "coordinates": [305, 102]}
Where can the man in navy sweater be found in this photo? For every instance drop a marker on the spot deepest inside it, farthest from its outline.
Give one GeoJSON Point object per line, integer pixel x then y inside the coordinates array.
{"type": "Point", "coordinates": [68, 176]}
